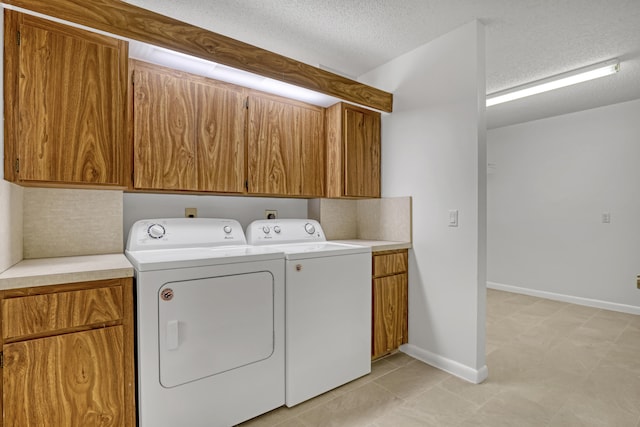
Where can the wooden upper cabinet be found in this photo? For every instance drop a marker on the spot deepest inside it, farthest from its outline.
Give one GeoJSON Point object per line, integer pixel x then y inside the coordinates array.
{"type": "Point", "coordinates": [353, 151]}
{"type": "Point", "coordinates": [285, 148]}
{"type": "Point", "coordinates": [188, 131]}
{"type": "Point", "coordinates": [65, 92]}
{"type": "Point", "coordinates": [221, 114]}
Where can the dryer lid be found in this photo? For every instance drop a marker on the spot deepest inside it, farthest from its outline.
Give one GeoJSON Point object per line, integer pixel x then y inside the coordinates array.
{"type": "Point", "coordinates": [199, 257]}
{"type": "Point", "coordinates": [174, 233]}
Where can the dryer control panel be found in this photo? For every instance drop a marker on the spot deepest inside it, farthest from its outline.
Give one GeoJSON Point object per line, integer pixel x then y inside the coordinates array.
{"type": "Point", "coordinates": [282, 231]}
{"type": "Point", "coordinates": [173, 233]}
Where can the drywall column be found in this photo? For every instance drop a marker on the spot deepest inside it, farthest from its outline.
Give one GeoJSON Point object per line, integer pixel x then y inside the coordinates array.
{"type": "Point", "coordinates": [434, 150]}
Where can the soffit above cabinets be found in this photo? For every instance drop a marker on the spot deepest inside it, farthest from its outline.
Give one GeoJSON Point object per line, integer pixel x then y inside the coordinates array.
{"type": "Point", "coordinates": [135, 23]}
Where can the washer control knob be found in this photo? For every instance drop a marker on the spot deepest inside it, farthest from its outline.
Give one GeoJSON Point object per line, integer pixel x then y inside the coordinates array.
{"type": "Point", "coordinates": [266, 229]}
{"type": "Point", "coordinates": [276, 229]}
{"type": "Point", "coordinates": [227, 229]}
{"type": "Point", "coordinates": [309, 228]}
{"type": "Point", "coordinates": [156, 231]}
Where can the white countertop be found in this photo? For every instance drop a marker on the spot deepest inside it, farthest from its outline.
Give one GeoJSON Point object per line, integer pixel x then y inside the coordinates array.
{"type": "Point", "coordinates": [54, 271]}
{"type": "Point", "coordinates": [377, 245]}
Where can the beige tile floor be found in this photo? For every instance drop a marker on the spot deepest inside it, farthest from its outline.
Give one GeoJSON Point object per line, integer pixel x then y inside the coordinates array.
{"type": "Point", "coordinates": [550, 364]}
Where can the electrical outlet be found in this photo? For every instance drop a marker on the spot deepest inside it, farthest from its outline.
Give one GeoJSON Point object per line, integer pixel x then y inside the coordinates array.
{"type": "Point", "coordinates": [270, 214]}
{"type": "Point", "coordinates": [190, 212]}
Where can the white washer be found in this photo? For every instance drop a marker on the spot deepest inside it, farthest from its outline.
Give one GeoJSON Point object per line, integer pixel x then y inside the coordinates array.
{"type": "Point", "coordinates": [328, 306]}
{"type": "Point", "coordinates": [210, 323]}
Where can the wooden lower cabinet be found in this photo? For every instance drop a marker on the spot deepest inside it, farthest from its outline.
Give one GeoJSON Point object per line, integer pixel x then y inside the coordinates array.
{"type": "Point", "coordinates": [389, 302]}
{"type": "Point", "coordinates": [68, 355]}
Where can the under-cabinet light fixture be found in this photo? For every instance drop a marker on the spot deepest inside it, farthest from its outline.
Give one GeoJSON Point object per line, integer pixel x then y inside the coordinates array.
{"type": "Point", "coordinates": [569, 78]}
{"type": "Point", "coordinates": [213, 70]}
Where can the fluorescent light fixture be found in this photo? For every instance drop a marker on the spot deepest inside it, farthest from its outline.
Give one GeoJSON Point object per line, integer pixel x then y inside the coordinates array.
{"type": "Point", "coordinates": [202, 67]}
{"type": "Point", "coordinates": [555, 82]}
{"type": "Point", "coordinates": [168, 58]}
{"type": "Point", "coordinates": [236, 76]}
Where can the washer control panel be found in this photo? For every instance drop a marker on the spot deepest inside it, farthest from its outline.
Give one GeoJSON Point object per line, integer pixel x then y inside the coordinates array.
{"type": "Point", "coordinates": [171, 233]}
{"type": "Point", "coordinates": [282, 231]}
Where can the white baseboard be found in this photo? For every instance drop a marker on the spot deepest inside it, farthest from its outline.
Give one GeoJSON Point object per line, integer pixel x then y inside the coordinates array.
{"type": "Point", "coordinates": [624, 308]}
{"type": "Point", "coordinates": [475, 376]}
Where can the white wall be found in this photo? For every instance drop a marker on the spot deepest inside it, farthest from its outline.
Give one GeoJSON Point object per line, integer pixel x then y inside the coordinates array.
{"type": "Point", "coordinates": [550, 181]}
{"type": "Point", "coordinates": [433, 149]}
{"type": "Point", "coordinates": [244, 209]}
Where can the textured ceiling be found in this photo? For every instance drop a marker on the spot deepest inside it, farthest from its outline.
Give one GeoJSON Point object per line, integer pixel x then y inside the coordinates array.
{"type": "Point", "coordinates": [526, 40]}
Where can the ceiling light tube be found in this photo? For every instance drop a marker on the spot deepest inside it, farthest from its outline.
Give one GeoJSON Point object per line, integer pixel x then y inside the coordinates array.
{"type": "Point", "coordinates": [555, 82]}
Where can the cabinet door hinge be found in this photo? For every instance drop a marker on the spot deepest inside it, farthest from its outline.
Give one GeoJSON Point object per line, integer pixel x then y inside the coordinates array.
{"type": "Point", "coordinates": [1, 359]}
{"type": "Point", "coordinates": [246, 102]}
{"type": "Point", "coordinates": [246, 184]}
{"type": "Point", "coordinates": [18, 37]}
{"type": "Point", "coordinates": [17, 166]}
{"type": "Point", "coordinates": [133, 77]}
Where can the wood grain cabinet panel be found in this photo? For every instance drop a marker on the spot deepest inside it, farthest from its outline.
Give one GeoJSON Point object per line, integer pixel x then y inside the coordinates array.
{"type": "Point", "coordinates": [65, 89]}
{"type": "Point", "coordinates": [353, 151]}
{"type": "Point", "coordinates": [164, 130]}
{"type": "Point", "coordinates": [389, 302]}
{"type": "Point", "coordinates": [389, 295]}
{"type": "Point", "coordinates": [188, 131]}
{"type": "Point", "coordinates": [285, 147]}
{"type": "Point", "coordinates": [220, 137]}
{"type": "Point", "coordinates": [38, 314]}
{"type": "Point", "coordinates": [68, 355]}
{"type": "Point", "coordinates": [390, 263]}
{"type": "Point", "coordinates": [67, 380]}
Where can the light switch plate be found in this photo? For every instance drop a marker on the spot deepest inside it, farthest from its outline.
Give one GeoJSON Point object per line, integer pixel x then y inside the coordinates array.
{"type": "Point", "coordinates": [453, 218]}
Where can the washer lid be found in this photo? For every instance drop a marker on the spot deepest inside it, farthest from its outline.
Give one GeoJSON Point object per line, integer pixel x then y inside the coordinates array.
{"type": "Point", "coordinates": [165, 259]}
{"type": "Point", "coordinates": [319, 249]}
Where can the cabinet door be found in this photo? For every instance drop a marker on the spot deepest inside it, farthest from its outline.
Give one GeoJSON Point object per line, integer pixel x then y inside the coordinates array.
{"type": "Point", "coordinates": [70, 94]}
{"type": "Point", "coordinates": [361, 153]}
{"type": "Point", "coordinates": [188, 131]}
{"type": "Point", "coordinates": [286, 154]}
{"type": "Point", "coordinates": [389, 313]}
{"type": "Point", "coordinates": [68, 380]}
{"type": "Point", "coordinates": [221, 117]}
{"type": "Point", "coordinates": [164, 130]}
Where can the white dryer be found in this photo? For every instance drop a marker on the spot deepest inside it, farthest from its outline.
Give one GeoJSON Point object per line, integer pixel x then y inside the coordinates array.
{"type": "Point", "coordinates": [328, 306]}
{"type": "Point", "coordinates": [210, 323]}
